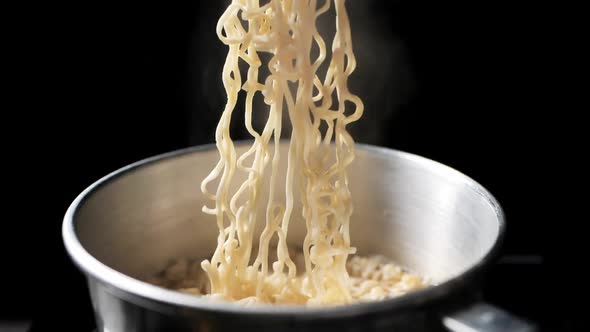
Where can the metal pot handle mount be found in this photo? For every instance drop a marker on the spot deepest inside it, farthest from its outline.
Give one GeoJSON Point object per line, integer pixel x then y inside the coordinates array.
{"type": "Point", "coordinates": [484, 317]}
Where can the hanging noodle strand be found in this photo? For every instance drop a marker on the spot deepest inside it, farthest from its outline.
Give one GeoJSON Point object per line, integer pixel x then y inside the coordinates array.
{"type": "Point", "coordinates": [319, 108]}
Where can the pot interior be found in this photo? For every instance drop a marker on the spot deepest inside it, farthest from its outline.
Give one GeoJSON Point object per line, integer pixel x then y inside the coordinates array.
{"type": "Point", "coordinates": [427, 217]}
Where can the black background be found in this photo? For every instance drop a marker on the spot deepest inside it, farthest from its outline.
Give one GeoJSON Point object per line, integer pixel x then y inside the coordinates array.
{"type": "Point", "coordinates": [99, 86]}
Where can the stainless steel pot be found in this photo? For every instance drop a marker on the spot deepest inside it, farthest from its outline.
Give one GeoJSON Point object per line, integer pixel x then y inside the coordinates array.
{"type": "Point", "coordinates": [426, 216]}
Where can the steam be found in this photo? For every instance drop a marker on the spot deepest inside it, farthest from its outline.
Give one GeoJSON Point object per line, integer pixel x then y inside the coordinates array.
{"type": "Point", "coordinates": [383, 78]}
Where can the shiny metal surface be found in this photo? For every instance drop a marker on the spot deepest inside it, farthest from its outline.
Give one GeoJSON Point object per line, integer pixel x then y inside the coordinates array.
{"type": "Point", "coordinates": [428, 217]}
{"type": "Point", "coordinates": [483, 317]}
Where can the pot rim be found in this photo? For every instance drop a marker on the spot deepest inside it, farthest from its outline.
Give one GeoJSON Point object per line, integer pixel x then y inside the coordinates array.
{"type": "Point", "coordinates": [140, 291]}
